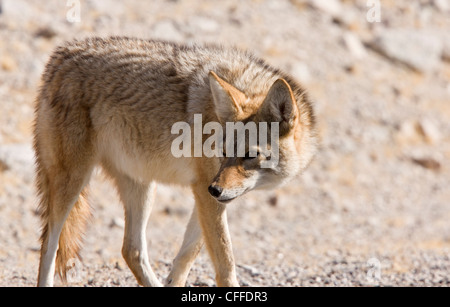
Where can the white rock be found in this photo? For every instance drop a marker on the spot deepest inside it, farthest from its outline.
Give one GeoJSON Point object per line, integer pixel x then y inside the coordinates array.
{"type": "Point", "coordinates": [442, 5]}
{"type": "Point", "coordinates": [117, 222]}
{"type": "Point", "coordinates": [429, 131]}
{"type": "Point", "coordinates": [18, 157]}
{"type": "Point", "coordinates": [422, 130]}
{"type": "Point", "coordinates": [17, 9]}
{"type": "Point", "coordinates": [250, 269]}
{"type": "Point", "coordinates": [408, 131]}
{"type": "Point", "coordinates": [301, 72]}
{"type": "Point", "coordinates": [204, 24]}
{"type": "Point", "coordinates": [354, 45]}
{"type": "Point", "coordinates": [109, 7]}
{"type": "Point", "coordinates": [166, 30]}
{"type": "Point", "coordinates": [418, 50]}
{"type": "Point", "coordinates": [332, 7]}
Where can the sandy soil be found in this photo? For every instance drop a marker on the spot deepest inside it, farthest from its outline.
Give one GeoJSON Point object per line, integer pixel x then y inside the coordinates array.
{"type": "Point", "coordinates": [372, 209]}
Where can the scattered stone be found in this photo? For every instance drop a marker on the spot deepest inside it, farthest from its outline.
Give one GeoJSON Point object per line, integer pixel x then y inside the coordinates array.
{"type": "Point", "coordinates": [273, 201]}
{"type": "Point", "coordinates": [117, 222]}
{"type": "Point", "coordinates": [331, 7]}
{"type": "Point", "coordinates": [429, 131]}
{"type": "Point", "coordinates": [204, 24]}
{"type": "Point", "coordinates": [45, 32]}
{"type": "Point", "coordinates": [301, 72]}
{"type": "Point", "coordinates": [250, 269]}
{"type": "Point", "coordinates": [352, 69]}
{"type": "Point", "coordinates": [167, 30]}
{"type": "Point", "coordinates": [348, 19]}
{"type": "Point", "coordinates": [428, 163]}
{"type": "Point", "coordinates": [419, 51]}
{"type": "Point", "coordinates": [7, 63]}
{"type": "Point", "coordinates": [118, 265]}
{"type": "Point", "coordinates": [424, 130]}
{"type": "Point", "coordinates": [446, 50]}
{"type": "Point", "coordinates": [3, 166]}
{"type": "Point", "coordinates": [175, 211]}
{"type": "Point", "coordinates": [442, 5]}
{"type": "Point", "coordinates": [18, 157]}
{"type": "Point", "coordinates": [354, 45]}
{"type": "Point", "coordinates": [408, 131]}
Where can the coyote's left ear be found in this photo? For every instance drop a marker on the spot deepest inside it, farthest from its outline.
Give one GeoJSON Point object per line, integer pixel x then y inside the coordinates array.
{"type": "Point", "coordinates": [227, 99]}
{"type": "Point", "coordinates": [280, 106]}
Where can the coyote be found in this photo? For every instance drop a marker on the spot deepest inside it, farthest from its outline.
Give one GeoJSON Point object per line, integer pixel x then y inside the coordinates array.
{"type": "Point", "coordinates": [112, 102]}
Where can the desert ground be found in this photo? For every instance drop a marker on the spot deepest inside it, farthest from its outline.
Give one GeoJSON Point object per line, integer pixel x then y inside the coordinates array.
{"type": "Point", "coordinates": [373, 208]}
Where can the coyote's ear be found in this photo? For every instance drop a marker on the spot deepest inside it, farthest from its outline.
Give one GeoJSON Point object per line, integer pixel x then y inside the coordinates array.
{"type": "Point", "coordinates": [227, 99]}
{"type": "Point", "coordinates": [280, 106]}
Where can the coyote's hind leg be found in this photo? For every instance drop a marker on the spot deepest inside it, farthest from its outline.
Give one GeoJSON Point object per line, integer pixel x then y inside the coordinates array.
{"type": "Point", "coordinates": [137, 199]}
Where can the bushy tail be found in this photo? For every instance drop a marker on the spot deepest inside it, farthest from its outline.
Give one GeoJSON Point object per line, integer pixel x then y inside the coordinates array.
{"type": "Point", "coordinates": [70, 239]}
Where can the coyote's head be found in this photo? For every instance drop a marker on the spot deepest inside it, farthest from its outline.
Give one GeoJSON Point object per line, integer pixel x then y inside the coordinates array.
{"type": "Point", "coordinates": [280, 145]}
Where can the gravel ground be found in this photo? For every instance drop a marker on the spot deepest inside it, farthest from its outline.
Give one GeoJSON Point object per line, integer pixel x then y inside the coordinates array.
{"type": "Point", "coordinates": [373, 209]}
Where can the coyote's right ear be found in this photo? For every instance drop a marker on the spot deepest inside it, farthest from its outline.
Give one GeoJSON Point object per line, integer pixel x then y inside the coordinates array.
{"type": "Point", "coordinates": [227, 99]}
{"type": "Point", "coordinates": [279, 106]}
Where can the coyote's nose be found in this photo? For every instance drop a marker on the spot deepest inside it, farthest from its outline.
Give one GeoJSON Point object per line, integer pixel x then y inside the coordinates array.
{"type": "Point", "coordinates": [215, 190]}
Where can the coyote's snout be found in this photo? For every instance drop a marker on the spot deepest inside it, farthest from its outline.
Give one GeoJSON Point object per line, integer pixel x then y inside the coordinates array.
{"type": "Point", "coordinates": [115, 102]}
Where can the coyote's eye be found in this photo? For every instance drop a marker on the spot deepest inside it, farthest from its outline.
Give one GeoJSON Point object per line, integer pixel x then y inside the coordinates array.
{"type": "Point", "coordinates": [248, 157]}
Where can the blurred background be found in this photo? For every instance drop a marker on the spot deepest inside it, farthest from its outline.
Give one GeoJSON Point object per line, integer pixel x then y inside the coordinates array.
{"type": "Point", "coordinates": [372, 209]}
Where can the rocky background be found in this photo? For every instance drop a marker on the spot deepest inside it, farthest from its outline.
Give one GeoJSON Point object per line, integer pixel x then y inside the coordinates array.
{"type": "Point", "coordinates": [373, 209]}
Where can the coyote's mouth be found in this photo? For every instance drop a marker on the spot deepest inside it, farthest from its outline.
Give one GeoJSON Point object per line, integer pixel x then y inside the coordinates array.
{"type": "Point", "coordinates": [226, 201]}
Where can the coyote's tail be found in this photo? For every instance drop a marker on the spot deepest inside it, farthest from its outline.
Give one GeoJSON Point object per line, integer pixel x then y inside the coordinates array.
{"type": "Point", "coordinates": [70, 239]}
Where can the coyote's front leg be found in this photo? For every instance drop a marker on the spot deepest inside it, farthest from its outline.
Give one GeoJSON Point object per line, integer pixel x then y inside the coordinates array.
{"type": "Point", "coordinates": [192, 244]}
{"type": "Point", "coordinates": [213, 221]}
